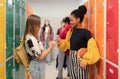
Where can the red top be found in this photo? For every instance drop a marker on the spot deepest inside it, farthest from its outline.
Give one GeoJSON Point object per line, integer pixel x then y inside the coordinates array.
{"type": "Point", "coordinates": [64, 31]}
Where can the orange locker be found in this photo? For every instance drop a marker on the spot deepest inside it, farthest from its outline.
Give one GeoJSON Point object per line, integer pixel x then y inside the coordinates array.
{"type": "Point", "coordinates": [91, 74]}
{"type": "Point", "coordinates": [2, 72]}
{"type": "Point", "coordinates": [100, 69]}
{"type": "Point", "coordinates": [2, 31]}
{"type": "Point", "coordinates": [29, 10]}
{"type": "Point", "coordinates": [111, 72]}
{"type": "Point", "coordinates": [92, 29]}
{"type": "Point", "coordinates": [92, 17]}
{"type": "Point", "coordinates": [97, 70]}
{"type": "Point", "coordinates": [85, 23]}
{"type": "Point", "coordinates": [112, 31]}
{"type": "Point", "coordinates": [100, 25]}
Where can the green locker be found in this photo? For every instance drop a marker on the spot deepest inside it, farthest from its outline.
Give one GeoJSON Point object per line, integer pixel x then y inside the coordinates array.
{"type": "Point", "coordinates": [15, 25]}
{"type": "Point", "coordinates": [9, 28]}
{"type": "Point", "coordinates": [22, 16]}
{"type": "Point", "coordinates": [17, 22]}
{"type": "Point", "coordinates": [17, 32]}
{"type": "Point", "coordinates": [9, 69]}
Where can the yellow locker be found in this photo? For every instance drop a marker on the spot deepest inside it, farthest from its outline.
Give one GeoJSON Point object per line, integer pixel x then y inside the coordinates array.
{"type": "Point", "coordinates": [2, 72]}
{"type": "Point", "coordinates": [2, 30]}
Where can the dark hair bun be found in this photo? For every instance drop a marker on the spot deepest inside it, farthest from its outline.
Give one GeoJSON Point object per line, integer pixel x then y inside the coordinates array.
{"type": "Point", "coordinates": [66, 20]}
{"type": "Point", "coordinates": [82, 9]}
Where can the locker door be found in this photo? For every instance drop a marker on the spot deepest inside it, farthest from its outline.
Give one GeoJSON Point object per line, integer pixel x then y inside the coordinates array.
{"type": "Point", "coordinates": [29, 10]}
{"type": "Point", "coordinates": [92, 30]}
{"type": "Point", "coordinates": [2, 31]}
{"type": "Point", "coordinates": [17, 22]}
{"type": "Point", "coordinates": [92, 17]}
{"type": "Point", "coordinates": [19, 18]}
{"type": "Point", "coordinates": [2, 72]}
{"type": "Point", "coordinates": [100, 69]}
{"type": "Point", "coordinates": [22, 16]}
{"type": "Point", "coordinates": [111, 71]}
{"type": "Point", "coordinates": [85, 22]}
{"type": "Point", "coordinates": [112, 31]}
{"type": "Point", "coordinates": [100, 25]}
{"type": "Point", "coordinates": [17, 33]}
{"type": "Point", "coordinates": [9, 28]}
{"type": "Point", "coordinates": [100, 35]}
{"type": "Point", "coordinates": [9, 69]}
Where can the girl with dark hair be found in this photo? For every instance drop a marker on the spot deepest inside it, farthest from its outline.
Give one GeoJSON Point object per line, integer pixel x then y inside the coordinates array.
{"type": "Point", "coordinates": [79, 39]}
{"type": "Point", "coordinates": [46, 35]}
{"type": "Point", "coordinates": [34, 47]}
{"type": "Point", "coordinates": [63, 56]}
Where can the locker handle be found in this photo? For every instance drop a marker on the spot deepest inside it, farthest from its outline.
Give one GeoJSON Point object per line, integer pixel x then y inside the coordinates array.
{"type": "Point", "coordinates": [111, 71]}
{"type": "Point", "coordinates": [108, 23]}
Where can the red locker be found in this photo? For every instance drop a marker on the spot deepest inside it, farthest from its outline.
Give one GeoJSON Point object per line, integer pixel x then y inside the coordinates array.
{"type": "Point", "coordinates": [111, 72]}
{"type": "Point", "coordinates": [112, 31]}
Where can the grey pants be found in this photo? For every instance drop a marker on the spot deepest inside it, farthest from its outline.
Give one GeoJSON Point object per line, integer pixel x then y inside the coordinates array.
{"type": "Point", "coordinates": [61, 56]}
{"type": "Point", "coordinates": [37, 69]}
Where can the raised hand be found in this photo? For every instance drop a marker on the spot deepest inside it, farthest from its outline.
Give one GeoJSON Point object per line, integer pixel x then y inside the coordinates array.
{"type": "Point", "coordinates": [51, 44]}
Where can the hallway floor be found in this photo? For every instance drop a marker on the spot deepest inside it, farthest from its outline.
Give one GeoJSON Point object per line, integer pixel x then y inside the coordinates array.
{"type": "Point", "coordinates": [51, 71]}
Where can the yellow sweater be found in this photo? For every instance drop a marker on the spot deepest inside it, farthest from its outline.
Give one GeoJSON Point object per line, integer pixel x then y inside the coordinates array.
{"type": "Point", "coordinates": [90, 57]}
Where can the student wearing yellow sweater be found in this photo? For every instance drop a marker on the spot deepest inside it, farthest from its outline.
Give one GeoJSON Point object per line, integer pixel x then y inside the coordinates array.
{"type": "Point", "coordinates": [76, 39]}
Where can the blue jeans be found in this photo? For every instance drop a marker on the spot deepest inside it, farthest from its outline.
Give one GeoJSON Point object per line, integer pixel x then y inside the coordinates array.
{"type": "Point", "coordinates": [48, 57]}
{"type": "Point", "coordinates": [37, 69]}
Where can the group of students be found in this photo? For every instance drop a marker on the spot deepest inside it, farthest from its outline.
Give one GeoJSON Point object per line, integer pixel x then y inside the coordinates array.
{"type": "Point", "coordinates": [72, 38]}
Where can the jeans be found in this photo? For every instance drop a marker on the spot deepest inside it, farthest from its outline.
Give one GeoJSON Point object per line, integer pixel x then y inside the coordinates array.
{"type": "Point", "coordinates": [37, 69]}
{"type": "Point", "coordinates": [48, 57]}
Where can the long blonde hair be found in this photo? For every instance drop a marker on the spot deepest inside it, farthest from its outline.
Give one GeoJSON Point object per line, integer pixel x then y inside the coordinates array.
{"type": "Point", "coordinates": [32, 22]}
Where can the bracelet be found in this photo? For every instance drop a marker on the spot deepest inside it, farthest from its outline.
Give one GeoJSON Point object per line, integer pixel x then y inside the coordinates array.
{"type": "Point", "coordinates": [79, 59]}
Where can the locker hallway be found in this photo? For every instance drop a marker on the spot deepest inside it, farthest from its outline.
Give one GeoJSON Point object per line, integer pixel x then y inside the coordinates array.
{"type": "Point", "coordinates": [102, 19]}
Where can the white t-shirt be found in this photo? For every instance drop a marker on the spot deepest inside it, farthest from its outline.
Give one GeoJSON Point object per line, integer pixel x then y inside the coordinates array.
{"type": "Point", "coordinates": [46, 31]}
{"type": "Point", "coordinates": [33, 46]}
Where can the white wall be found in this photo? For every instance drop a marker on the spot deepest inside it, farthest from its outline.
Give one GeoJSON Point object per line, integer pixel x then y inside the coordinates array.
{"type": "Point", "coordinates": [53, 8]}
{"type": "Point", "coordinates": [55, 22]}
{"type": "Point", "coordinates": [82, 2]}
